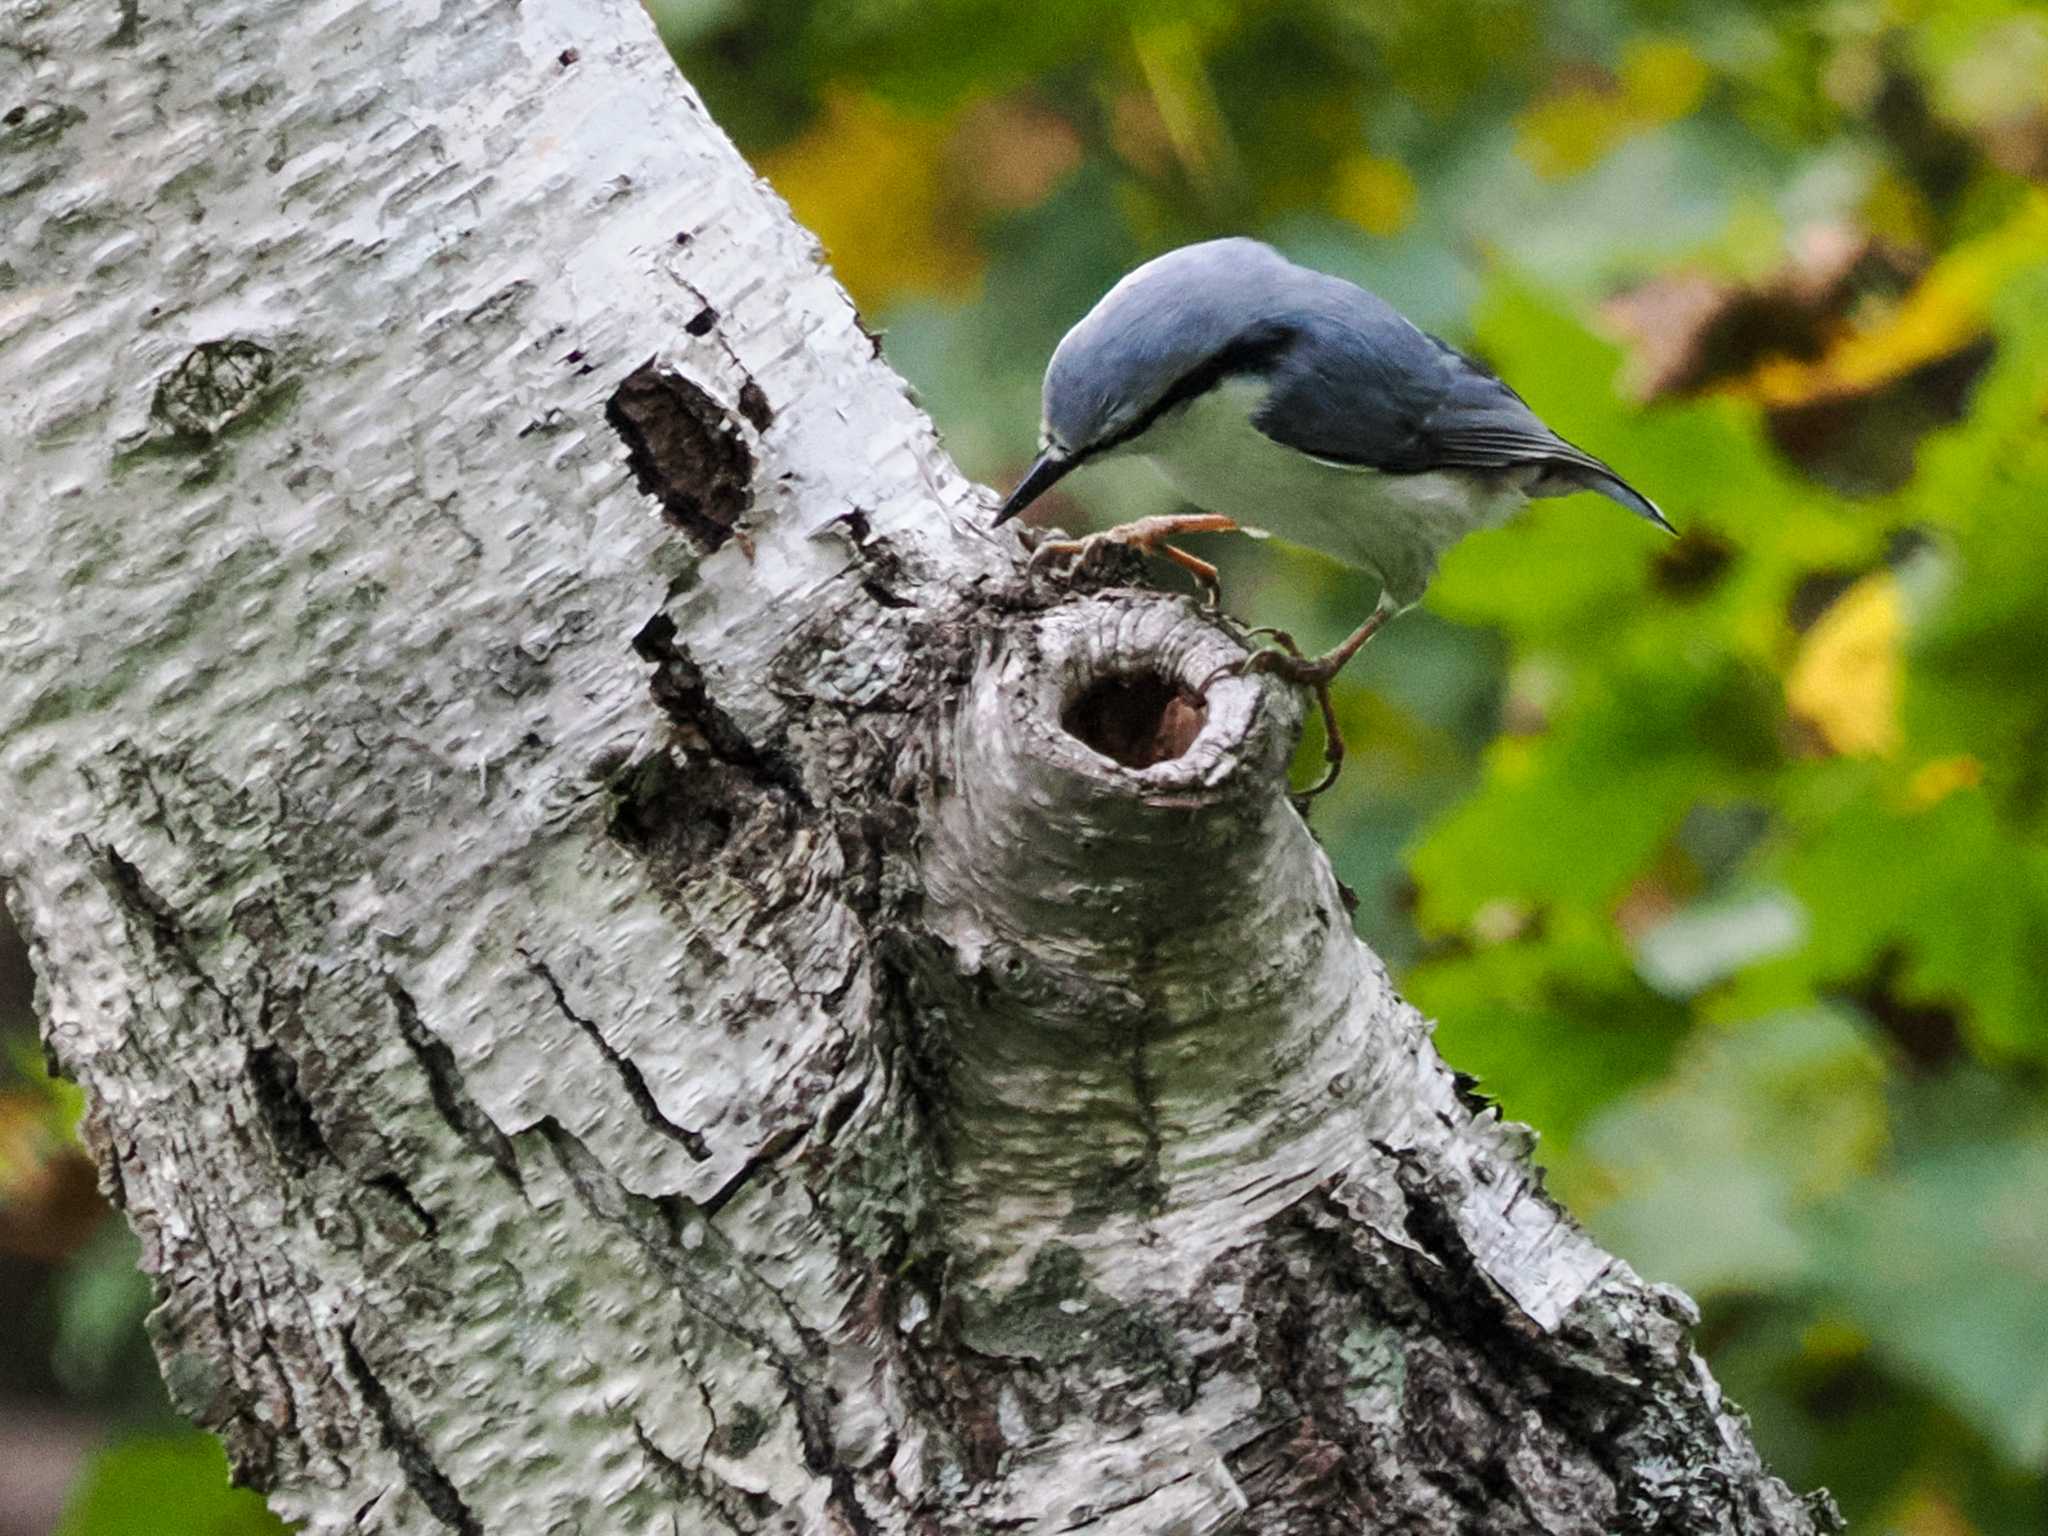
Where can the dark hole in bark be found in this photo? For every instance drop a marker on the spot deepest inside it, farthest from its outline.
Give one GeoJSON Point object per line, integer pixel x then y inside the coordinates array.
{"type": "Point", "coordinates": [684, 449]}
{"type": "Point", "coordinates": [216, 383]}
{"type": "Point", "coordinates": [1135, 718]}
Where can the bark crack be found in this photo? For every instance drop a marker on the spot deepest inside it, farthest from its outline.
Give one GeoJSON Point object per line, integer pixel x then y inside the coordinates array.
{"type": "Point", "coordinates": [656, 1224]}
{"type": "Point", "coordinates": [161, 920]}
{"type": "Point", "coordinates": [770, 1153]}
{"type": "Point", "coordinates": [392, 1185]}
{"type": "Point", "coordinates": [444, 1084]}
{"type": "Point", "coordinates": [679, 688]}
{"type": "Point", "coordinates": [684, 1483]}
{"type": "Point", "coordinates": [286, 1112]}
{"type": "Point", "coordinates": [1148, 1184]}
{"type": "Point", "coordinates": [427, 1481]}
{"type": "Point", "coordinates": [630, 1076]}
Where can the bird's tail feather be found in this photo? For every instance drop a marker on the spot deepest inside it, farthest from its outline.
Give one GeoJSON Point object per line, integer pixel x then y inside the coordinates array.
{"type": "Point", "coordinates": [1582, 477]}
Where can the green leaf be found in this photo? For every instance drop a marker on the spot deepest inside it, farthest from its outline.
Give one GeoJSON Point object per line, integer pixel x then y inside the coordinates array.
{"type": "Point", "coordinates": [165, 1486]}
{"type": "Point", "coordinates": [1944, 887]}
{"type": "Point", "coordinates": [1703, 1179]}
{"type": "Point", "coordinates": [1944, 1263]}
{"type": "Point", "coordinates": [1570, 817]}
{"type": "Point", "coordinates": [1554, 1029]}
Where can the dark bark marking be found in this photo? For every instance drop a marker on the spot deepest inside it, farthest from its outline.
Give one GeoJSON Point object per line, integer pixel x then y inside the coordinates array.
{"type": "Point", "coordinates": [215, 384]}
{"type": "Point", "coordinates": [681, 814]}
{"type": "Point", "coordinates": [36, 122]}
{"type": "Point", "coordinates": [1592, 1411]}
{"type": "Point", "coordinates": [392, 1185]}
{"type": "Point", "coordinates": [657, 1224]}
{"type": "Point", "coordinates": [160, 919]}
{"type": "Point", "coordinates": [846, 1500]}
{"type": "Point", "coordinates": [682, 1484]}
{"type": "Point", "coordinates": [286, 1112]}
{"type": "Point", "coordinates": [106, 1151]}
{"type": "Point", "coordinates": [427, 1481]}
{"type": "Point", "coordinates": [142, 900]}
{"type": "Point", "coordinates": [1477, 1392]}
{"type": "Point", "coordinates": [444, 1084]}
{"type": "Point", "coordinates": [700, 324]}
{"type": "Point", "coordinates": [1093, 1514]}
{"type": "Point", "coordinates": [883, 597]}
{"type": "Point", "coordinates": [1149, 1185]}
{"type": "Point", "coordinates": [629, 1074]}
{"type": "Point", "coordinates": [770, 1153]}
{"type": "Point", "coordinates": [685, 451]}
{"type": "Point", "coordinates": [754, 406]}
{"type": "Point", "coordinates": [882, 568]}
{"type": "Point", "coordinates": [680, 690]}
{"type": "Point", "coordinates": [842, 1111]}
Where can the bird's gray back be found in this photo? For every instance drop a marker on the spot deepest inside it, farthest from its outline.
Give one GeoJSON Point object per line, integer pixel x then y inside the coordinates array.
{"type": "Point", "coordinates": [1185, 319]}
{"type": "Point", "coordinates": [1349, 379]}
{"type": "Point", "coordinates": [1352, 380]}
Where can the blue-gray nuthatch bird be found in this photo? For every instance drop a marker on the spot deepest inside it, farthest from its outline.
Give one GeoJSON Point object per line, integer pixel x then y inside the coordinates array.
{"type": "Point", "coordinates": [1286, 400]}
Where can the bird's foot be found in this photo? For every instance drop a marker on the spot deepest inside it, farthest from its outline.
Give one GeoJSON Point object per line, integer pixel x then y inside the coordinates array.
{"type": "Point", "coordinates": [1148, 535]}
{"type": "Point", "coordinates": [1284, 659]}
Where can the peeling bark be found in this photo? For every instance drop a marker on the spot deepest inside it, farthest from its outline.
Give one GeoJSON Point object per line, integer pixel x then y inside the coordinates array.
{"type": "Point", "coordinates": [633, 971]}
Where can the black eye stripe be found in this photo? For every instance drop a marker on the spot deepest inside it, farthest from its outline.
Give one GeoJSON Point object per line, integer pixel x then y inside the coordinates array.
{"type": "Point", "coordinates": [1252, 353]}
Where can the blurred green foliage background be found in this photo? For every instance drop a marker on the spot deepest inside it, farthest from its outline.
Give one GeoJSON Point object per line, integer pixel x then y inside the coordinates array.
{"type": "Point", "coordinates": [1721, 861]}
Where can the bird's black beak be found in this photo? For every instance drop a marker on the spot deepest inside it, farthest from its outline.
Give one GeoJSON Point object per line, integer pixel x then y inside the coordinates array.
{"type": "Point", "coordinates": [1044, 473]}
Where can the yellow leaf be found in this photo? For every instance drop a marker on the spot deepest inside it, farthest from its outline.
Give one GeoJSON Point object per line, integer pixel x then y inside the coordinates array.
{"type": "Point", "coordinates": [1845, 679]}
{"type": "Point", "coordinates": [870, 181]}
{"type": "Point", "coordinates": [1946, 310]}
{"type": "Point", "coordinates": [1573, 131]}
{"type": "Point", "coordinates": [1661, 79]}
{"type": "Point", "coordinates": [1375, 193]}
{"type": "Point", "coordinates": [1929, 1510]}
{"type": "Point", "coordinates": [1934, 782]}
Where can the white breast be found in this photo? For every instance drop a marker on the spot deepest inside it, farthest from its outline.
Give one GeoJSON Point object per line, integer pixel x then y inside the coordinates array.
{"type": "Point", "coordinates": [1393, 525]}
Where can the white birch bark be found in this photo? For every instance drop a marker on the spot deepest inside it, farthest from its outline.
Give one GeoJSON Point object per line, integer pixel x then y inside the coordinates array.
{"type": "Point", "coordinates": [613, 1022]}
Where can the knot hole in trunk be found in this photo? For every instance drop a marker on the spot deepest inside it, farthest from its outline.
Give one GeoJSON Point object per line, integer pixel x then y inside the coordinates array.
{"type": "Point", "coordinates": [1135, 718]}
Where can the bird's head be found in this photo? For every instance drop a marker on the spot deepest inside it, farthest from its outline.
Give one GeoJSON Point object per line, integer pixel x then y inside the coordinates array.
{"type": "Point", "coordinates": [1169, 330]}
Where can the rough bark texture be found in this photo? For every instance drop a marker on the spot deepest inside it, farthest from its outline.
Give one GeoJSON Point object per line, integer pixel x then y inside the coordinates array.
{"type": "Point", "coordinates": [614, 980]}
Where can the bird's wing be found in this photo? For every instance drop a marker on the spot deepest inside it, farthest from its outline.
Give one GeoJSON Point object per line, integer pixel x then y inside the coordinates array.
{"type": "Point", "coordinates": [1366, 389]}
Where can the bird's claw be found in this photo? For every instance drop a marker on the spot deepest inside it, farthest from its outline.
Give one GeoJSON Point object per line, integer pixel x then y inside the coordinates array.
{"type": "Point", "coordinates": [1264, 659]}
{"type": "Point", "coordinates": [1147, 536]}
{"type": "Point", "coordinates": [1077, 554]}
{"type": "Point", "coordinates": [1283, 659]}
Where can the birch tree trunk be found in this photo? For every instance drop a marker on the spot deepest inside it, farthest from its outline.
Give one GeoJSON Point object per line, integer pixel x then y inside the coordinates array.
{"type": "Point", "coordinates": [634, 972]}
